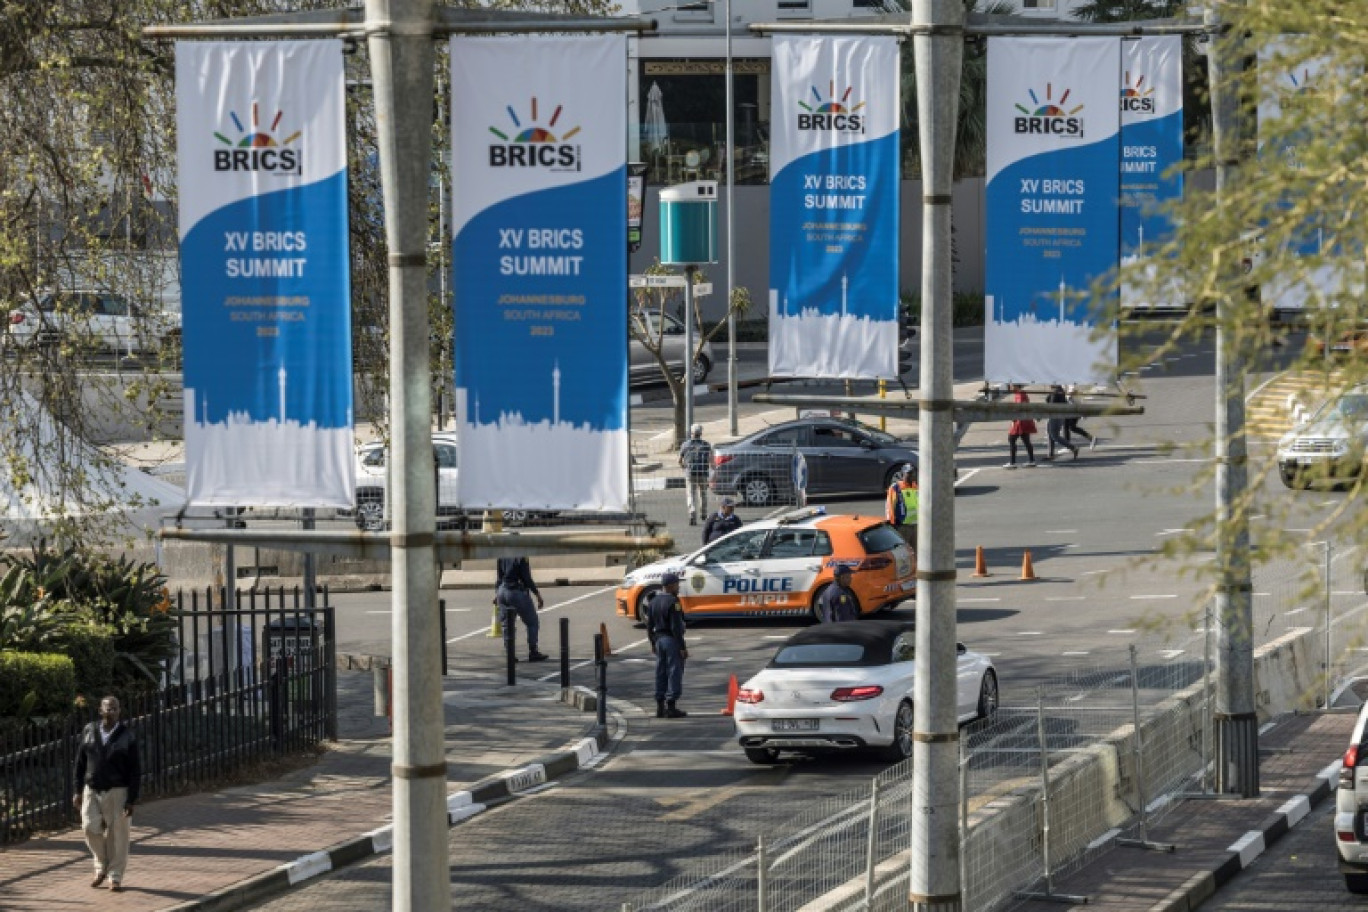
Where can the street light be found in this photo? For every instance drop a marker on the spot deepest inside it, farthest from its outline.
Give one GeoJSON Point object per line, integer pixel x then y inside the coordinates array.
{"type": "Point", "coordinates": [730, 156]}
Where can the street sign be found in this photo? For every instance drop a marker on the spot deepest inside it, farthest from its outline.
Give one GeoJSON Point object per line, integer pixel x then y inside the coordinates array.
{"type": "Point", "coordinates": [703, 288]}
{"type": "Point", "coordinates": [656, 281]}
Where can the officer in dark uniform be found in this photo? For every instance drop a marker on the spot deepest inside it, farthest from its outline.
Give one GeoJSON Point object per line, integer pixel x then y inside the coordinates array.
{"type": "Point", "coordinates": [665, 628]}
{"type": "Point", "coordinates": [839, 602]}
{"type": "Point", "coordinates": [515, 593]}
{"type": "Point", "coordinates": [723, 522]}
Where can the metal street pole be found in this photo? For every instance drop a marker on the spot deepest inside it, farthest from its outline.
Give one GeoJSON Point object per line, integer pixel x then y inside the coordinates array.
{"type": "Point", "coordinates": [689, 347]}
{"type": "Point", "coordinates": [400, 34]}
{"type": "Point", "coordinates": [731, 246]}
{"type": "Point", "coordinates": [1237, 723]}
{"type": "Point", "coordinates": [934, 881]}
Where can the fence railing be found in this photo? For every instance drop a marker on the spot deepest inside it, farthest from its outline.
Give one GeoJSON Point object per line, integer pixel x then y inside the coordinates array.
{"type": "Point", "coordinates": [247, 683]}
{"type": "Point", "coordinates": [1089, 761]}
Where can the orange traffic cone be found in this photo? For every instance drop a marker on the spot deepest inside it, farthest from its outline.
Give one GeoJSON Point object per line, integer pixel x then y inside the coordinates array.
{"type": "Point", "coordinates": [980, 563]}
{"type": "Point", "coordinates": [607, 647]}
{"type": "Point", "coordinates": [732, 689]}
{"type": "Point", "coordinates": [1027, 571]}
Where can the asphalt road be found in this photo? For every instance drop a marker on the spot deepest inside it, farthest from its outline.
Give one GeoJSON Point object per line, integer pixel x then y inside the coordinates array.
{"type": "Point", "coordinates": [1100, 530]}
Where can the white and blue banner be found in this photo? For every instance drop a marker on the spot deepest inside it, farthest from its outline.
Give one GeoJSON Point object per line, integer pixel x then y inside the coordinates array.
{"type": "Point", "coordinates": [1288, 82]}
{"type": "Point", "coordinates": [1151, 151]}
{"type": "Point", "coordinates": [1052, 188]}
{"type": "Point", "coordinates": [266, 299]}
{"type": "Point", "coordinates": [833, 297]}
{"type": "Point", "coordinates": [539, 154]}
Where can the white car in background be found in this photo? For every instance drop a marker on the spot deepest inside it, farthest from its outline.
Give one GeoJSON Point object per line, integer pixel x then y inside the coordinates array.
{"type": "Point", "coordinates": [100, 319]}
{"type": "Point", "coordinates": [846, 686]}
{"type": "Point", "coordinates": [1351, 810]}
{"type": "Point", "coordinates": [1330, 445]}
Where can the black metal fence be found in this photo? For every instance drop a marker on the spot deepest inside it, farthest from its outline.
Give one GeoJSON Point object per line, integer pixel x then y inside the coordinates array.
{"type": "Point", "coordinates": [249, 682]}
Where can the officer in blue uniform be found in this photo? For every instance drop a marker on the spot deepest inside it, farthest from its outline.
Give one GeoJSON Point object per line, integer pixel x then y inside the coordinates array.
{"type": "Point", "coordinates": [723, 522]}
{"type": "Point", "coordinates": [839, 602]}
{"type": "Point", "coordinates": [665, 628]}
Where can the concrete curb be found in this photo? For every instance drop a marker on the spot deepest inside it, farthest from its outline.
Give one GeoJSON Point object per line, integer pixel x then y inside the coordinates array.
{"type": "Point", "coordinates": [1245, 850]}
{"type": "Point", "coordinates": [461, 806]}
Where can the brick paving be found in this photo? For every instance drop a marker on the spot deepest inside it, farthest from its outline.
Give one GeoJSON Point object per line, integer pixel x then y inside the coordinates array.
{"type": "Point", "coordinates": [186, 847]}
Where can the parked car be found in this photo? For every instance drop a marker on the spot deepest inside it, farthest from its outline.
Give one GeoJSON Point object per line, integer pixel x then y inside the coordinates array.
{"type": "Point", "coordinates": [104, 320]}
{"type": "Point", "coordinates": [1329, 445]}
{"type": "Point", "coordinates": [844, 456]}
{"type": "Point", "coordinates": [1351, 809]}
{"type": "Point", "coordinates": [643, 366]}
{"type": "Point", "coordinates": [847, 686]}
{"type": "Point", "coordinates": [372, 478]}
{"type": "Point", "coordinates": [1349, 342]}
{"type": "Point", "coordinates": [780, 566]}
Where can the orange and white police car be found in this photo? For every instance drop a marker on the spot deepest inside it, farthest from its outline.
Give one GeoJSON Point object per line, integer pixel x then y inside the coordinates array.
{"type": "Point", "coordinates": [779, 566]}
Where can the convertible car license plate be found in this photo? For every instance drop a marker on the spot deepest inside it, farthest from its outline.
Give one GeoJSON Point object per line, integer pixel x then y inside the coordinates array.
{"type": "Point", "coordinates": [795, 725]}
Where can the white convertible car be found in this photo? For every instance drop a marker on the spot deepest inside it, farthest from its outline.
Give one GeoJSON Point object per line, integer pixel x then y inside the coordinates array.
{"type": "Point", "coordinates": [847, 686]}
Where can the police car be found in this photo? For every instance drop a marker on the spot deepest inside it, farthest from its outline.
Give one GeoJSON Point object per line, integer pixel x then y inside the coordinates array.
{"type": "Point", "coordinates": [779, 567]}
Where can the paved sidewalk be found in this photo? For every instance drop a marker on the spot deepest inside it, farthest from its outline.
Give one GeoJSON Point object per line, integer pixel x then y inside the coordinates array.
{"type": "Point", "coordinates": [1216, 838]}
{"type": "Point", "coordinates": [188, 847]}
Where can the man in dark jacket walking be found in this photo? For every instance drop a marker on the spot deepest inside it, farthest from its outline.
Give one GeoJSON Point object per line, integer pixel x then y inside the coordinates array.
{"type": "Point", "coordinates": [109, 776]}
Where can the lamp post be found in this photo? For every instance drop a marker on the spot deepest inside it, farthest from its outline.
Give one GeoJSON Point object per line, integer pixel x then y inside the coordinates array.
{"type": "Point", "coordinates": [730, 155]}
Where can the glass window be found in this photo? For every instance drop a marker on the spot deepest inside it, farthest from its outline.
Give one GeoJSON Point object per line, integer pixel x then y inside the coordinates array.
{"type": "Point", "coordinates": [788, 438]}
{"type": "Point", "coordinates": [828, 436]}
{"type": "Point", "coordinates": [880, 539]}
{"type": "Point", "coordinates": [113, 306]}
{"type": "Point", "coordinates": [821, 654]}
{"type": "Point", "coordinates": [792, 543]}
{"type": "Point", "coordinates": [823, 546]}
{"type": "Point", "coordinates": [445, 456]}
{"type": "Point", "coordinates": [374, 458]}
{"type": "Point", "coordinates": [683, 128]}
{"type": "Point", "coordinates": [904, 648]}
{"type": "Point", "coordinates": [739, 546]}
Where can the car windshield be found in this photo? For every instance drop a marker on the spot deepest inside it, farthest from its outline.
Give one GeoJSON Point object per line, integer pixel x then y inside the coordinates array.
{"type": "Point", "coordinates": [820, 654]}
{"type": "Point", "coordinates": [882, 438]}
{"type": "Point", "coordinates": [1352, 407]}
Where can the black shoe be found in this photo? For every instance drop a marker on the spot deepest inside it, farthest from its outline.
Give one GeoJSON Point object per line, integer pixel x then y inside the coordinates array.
{"type": "Point", "coordinates": [100, 878]}
{"type": "Point", "coordinates": [674, 712]}
{"type": "Point", "coordinates": [535, 656]}
{"type": "Point", "coordinates": [660, 709]}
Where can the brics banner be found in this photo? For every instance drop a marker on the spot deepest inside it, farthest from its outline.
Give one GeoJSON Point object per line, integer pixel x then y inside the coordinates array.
{"type": "Point", "coordinates": [266, 298]}
{"type": "Point", "coordinates": [833, 297]}
{"type": "Point", "coordinates": [1052, 190]}
{"type": "Point", "coordinates": [539, 154]}
{"type": "Point", "coordinates": [1151, 150]}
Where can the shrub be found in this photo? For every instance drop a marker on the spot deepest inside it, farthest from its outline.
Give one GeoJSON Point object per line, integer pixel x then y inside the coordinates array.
{"type": "Point", "coordinates": [91, 649]}
{"type": "Point", "coordinates": [36, 684]}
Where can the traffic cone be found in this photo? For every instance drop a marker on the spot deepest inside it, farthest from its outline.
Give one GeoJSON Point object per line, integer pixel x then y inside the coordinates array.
{"type": "Point", "coordinates": [1027, 571]}
{"type": "Point", "coordinates": [495, 627]}
{"type": "Point", "coordinates": [607, 647]}
{"type": "Point", "coordinates": [980, 563]}
{"type": "Point", "coordinates": [732, 689]}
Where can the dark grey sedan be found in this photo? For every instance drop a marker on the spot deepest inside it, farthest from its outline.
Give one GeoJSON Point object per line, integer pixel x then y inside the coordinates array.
{"type": "Point", "coordinates": [842, 455]}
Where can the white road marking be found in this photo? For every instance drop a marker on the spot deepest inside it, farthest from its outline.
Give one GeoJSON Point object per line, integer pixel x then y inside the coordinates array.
{"type": "Point", "coordinates": [579, 598]}
{"type": "Point", "coordinates": [966, 476]}
{"type": "Point", "coordinates": [961, 601]}
{"type": "Point", "coordinates": [1303, 531]}
{"type": "Point", "coordinates": [1065, 598]}
{"type": "Point", "coordinates": [718, 659]}
{"type": "Point", "coordinates": [1061, 532]}
{"type": "Point", "coordinates": [1126, 632]}
{"type": "Point", "coordinates": [1135, 598]}
{"type": "Point", "coordinates": [1172, 532]}
{"type": "Point", "coordinates": [1030, 633]}
{"type": "Point", "coordinates": [775, 636]}
{"type": "Point", "coordinates": [1076, 652]}
{"type": "Point", "coordinates": [1093, 572]}
{"type": "Point", "coordinates": [1344, 592]}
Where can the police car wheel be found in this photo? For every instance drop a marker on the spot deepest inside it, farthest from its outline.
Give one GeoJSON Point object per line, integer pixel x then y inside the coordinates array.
{"type": "Point", "coordinates": [765, 756]}
{"type": "Point", "coordinates": [642, 601]}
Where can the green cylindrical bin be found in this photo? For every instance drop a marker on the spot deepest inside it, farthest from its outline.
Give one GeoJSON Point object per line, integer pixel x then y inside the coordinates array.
{"type": "Point", "coordinates": [688, 223]}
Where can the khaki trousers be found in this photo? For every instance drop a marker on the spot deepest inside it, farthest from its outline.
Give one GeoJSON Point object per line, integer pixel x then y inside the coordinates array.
{"type": "Point", "coordinates": [106, 830]}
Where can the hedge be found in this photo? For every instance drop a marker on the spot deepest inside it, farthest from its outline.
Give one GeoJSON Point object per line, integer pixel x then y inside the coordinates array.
{"type": "Point", "coordinates": [50, 677]}
{"type": "Point", "coordinates": [91, 648]}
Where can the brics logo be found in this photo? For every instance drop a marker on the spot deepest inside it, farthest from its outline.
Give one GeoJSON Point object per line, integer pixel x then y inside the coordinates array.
{"type": "Point", "coordinates": [831, 115]}
{"type": "Point", "coordinates": [259, 150]}
{"type": "Point", "coordinates": [1134, 99]}
{"type": "Point", "coordinates": [1050, 118]}
{"type": "Point", "coordinates": [534, 146]}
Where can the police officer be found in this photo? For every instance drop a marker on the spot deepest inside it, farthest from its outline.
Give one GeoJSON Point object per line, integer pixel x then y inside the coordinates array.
{"type": "Point", "coordinates": [722, 522]}
{"type": "Point", "coordinates": [903, 504]}
{"type": "Point", "coordinates": [838, 601]}
{"type": "Point", "coordinates": [515, 593]}
{"type": "Point", "coordinates": [665, 628]}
